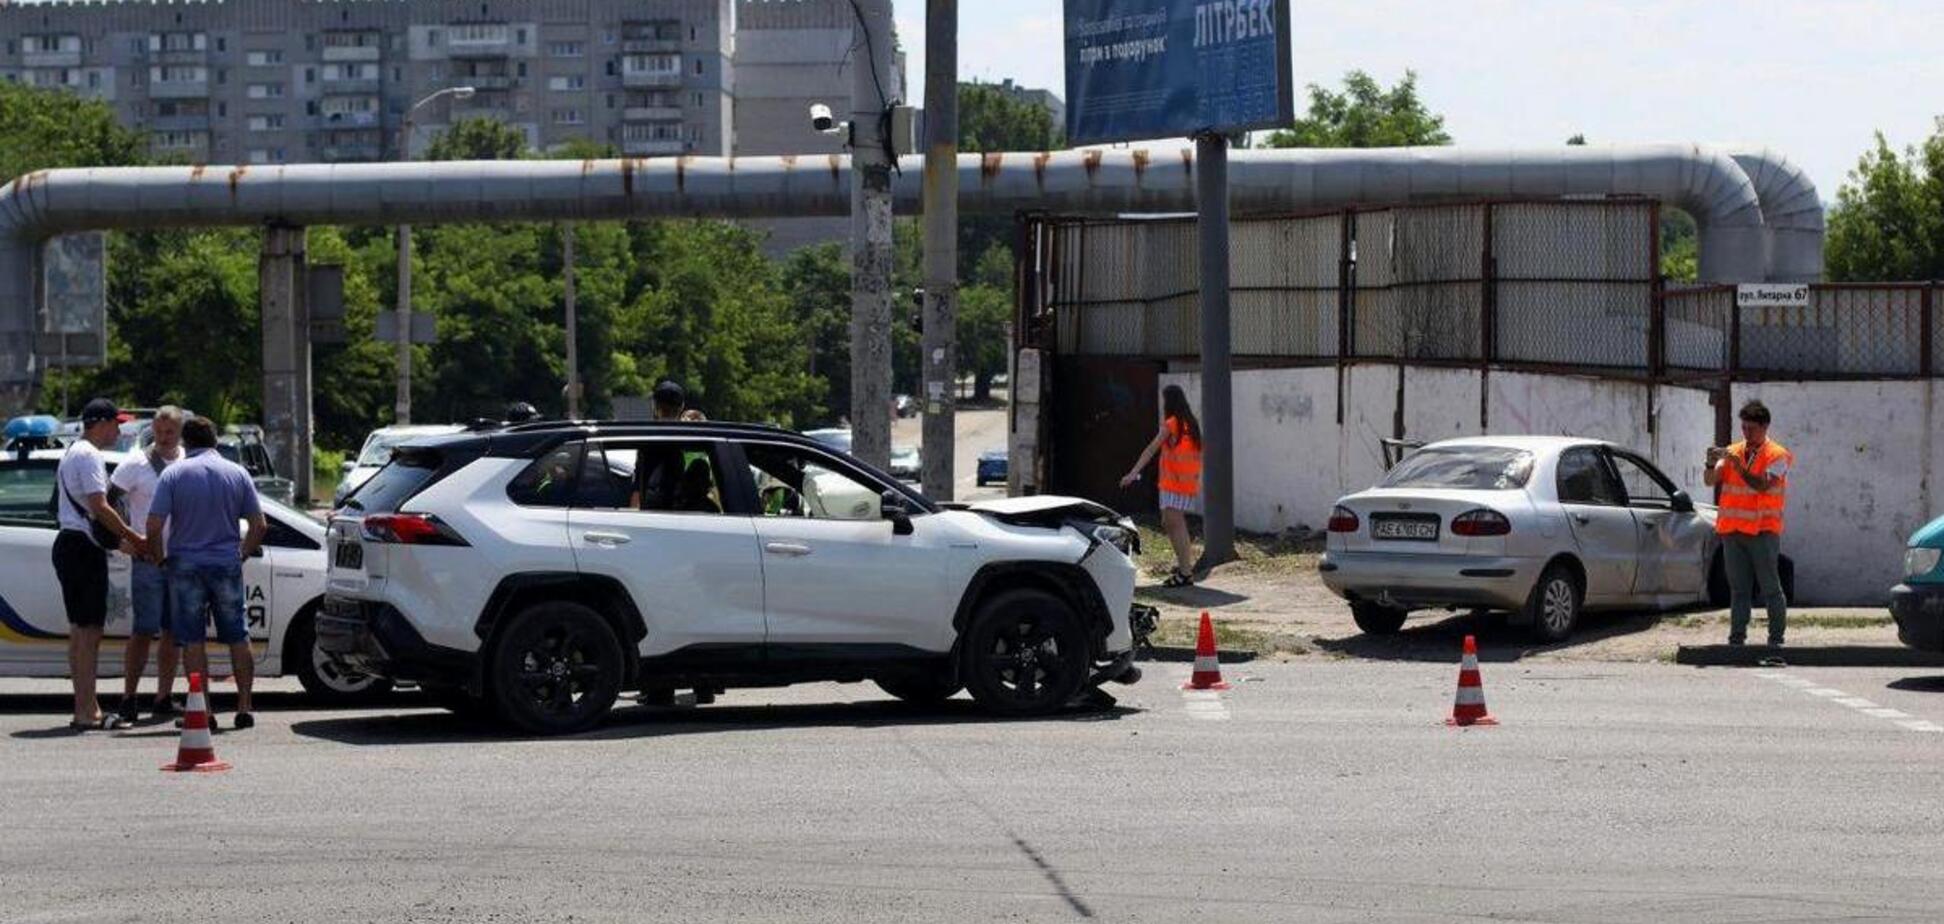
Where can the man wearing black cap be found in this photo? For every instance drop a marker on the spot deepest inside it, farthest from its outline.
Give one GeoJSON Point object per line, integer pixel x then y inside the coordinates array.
{"type": "Point", "coordinates": [90, 528]}
{"type": "Point", "coordinates": [669, 399]}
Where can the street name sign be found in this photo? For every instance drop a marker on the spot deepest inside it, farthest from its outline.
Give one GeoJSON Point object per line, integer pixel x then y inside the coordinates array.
{"type": "Point", "coordinates": [1772, 295]}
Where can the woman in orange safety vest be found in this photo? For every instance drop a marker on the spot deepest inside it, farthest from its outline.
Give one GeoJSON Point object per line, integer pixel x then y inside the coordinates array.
{"type": "Point", "coordinates": [1180, 444]}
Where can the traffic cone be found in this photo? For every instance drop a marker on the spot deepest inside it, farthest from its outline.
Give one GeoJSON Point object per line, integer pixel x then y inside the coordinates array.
{"type": "Point", "coordinates": [194, 750]}
{"type": "Point", "coordinates": [1208, 665]}
{"type": "Point", "coordinates": [1469, 707]}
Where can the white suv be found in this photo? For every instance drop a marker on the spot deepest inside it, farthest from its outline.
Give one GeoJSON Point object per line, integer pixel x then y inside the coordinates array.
{"type": "Point", "coordinates": [541, 570]}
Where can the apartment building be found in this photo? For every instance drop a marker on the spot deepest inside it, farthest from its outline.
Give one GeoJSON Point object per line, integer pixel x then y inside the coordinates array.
{"type": "Point", "coordinates": [287, 81]}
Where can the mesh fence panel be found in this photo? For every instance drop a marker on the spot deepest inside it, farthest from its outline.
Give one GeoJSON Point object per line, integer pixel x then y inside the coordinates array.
{"type": "Point", "coordinates": [1376, 329]}
{"type": "Point", "coordinates": [1283, 274]}
{"type": "Point", "coordinates": [1595, 241]}
{"type": "Point", "coordinates": [1695, 327]}
{"type": "Point", "coordinates": [1574, 323]}
{"type": "Point", "coordinates": [1437, 270]}
{"type": "Point", "coordinates": [1574, 283]}
{"type": "Point", "coordinates": [1847, 331]}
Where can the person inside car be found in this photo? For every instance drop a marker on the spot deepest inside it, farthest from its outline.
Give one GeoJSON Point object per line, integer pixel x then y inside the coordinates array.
{"type": "Point", "coordinates": [693, 495]}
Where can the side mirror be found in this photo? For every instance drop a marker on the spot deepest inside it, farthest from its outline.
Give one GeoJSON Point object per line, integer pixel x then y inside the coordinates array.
{"type": "Point", "coordinates": [1682, 503]}
{"type": "Point", "coordinates": [891, 506]}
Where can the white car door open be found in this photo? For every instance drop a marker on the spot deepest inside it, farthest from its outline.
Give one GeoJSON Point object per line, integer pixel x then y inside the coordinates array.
{"type": "Point", "coordinates": [1602, 526]}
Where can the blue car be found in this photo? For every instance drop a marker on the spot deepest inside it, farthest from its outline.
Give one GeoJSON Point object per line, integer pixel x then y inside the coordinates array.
{"type": "Point", "coordinates": [992, 467]}
{"type": "Point", "coordinates": [1918, 603]}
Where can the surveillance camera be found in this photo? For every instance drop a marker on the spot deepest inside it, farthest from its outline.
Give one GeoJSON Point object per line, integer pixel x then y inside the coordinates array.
{"type": "Point", "coordinates": [821, 119]}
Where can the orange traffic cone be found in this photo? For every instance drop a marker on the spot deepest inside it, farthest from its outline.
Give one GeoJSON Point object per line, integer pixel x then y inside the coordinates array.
{"type": "Point", "coordinates": [1469, 707]}
{"type": "Point", "coordinates": [1208, 664]}
{"type": "Point", "coordinates": [194, 751]}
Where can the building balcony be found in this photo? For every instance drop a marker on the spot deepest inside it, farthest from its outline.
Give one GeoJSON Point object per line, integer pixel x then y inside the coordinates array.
{"type": "Point", "coordinates": [349, 120]}
{"type": "Point", "coordinates": [180, 123]}
{"type": "Point", "coordinates": [480, 48]}
{"type": "Point", "coordinates": [498, 112]}
{"type": "Point", "coordinates": [358, 86]}
{"type": "Point", "coordinates": [651, 114]}
{"type": "Point", "coordinates": [337, 53]}
{"type": "Point", "coordinates": [187, 57]}
{"type": "Point", "coordinates": [360, 151]}
{"type": "Point", "coordinates": [51, 59]}
{"type": "Point", "coordinates": [645, 79]}
{"type": "Point", "coordinates": [650, 45]}
{"type": "Point", "coordinates": [487, 82]}
{"type": "Point", "coordinates": [650, 148]}
{"type": "Point", "coordinates": [179, 89]}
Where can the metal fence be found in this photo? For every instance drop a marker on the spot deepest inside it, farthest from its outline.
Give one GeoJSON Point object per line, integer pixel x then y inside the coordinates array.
{"type": "Point", "coordinates": [1558, 284]}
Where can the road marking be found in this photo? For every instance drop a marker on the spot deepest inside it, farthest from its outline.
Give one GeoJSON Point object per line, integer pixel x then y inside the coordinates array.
{"type": "Point", "coordinates": [1902, 719]}
{"type": "Point", "coordinates": [1205, 705]}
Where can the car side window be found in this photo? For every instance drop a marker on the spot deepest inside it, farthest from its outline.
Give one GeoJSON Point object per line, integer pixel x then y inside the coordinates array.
{"type": "Point", "coordinates": [549, 481]}
{"type": "Point", "coordinates": [1585, 479]}
{"type": "Point", "coordinates": [1645, 487]}
{"type": "Point", "coordinates": [27, 492]}
{"type": "Point", "coordinates": [284, 536]}
{"type": "Point", "coordinates": [661, 476]}
{"type": "Point", "coordinates": [791, 482]}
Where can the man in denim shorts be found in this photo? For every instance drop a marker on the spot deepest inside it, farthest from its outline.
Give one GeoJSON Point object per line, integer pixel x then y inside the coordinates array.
{"type": "Point", "coordinates": [148, 586]}
{"type": "Point", "coordinates": [199, 501]}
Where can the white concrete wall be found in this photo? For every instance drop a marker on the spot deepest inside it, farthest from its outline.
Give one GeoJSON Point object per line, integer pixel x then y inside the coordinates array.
{"type": "Point", "coordinates": [1867, 452]}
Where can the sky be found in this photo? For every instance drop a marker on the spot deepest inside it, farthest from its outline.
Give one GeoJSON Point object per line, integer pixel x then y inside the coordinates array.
{"type": "Point", "coordinates": [1813, 79]}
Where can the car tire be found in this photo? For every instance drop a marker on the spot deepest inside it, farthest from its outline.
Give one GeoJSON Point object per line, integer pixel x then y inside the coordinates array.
{"type": "Point", "coordinates": [325, 682]}
{"type": "Point", "coordinates": [1554, 604]}
{"type": "Point", "coordinates": [556, 669]}
{"type": "Point", "coordinates": [1024, 653]}
{"type": "Point", "coordinates": [1378, 620]}
{"type": "Point", "coordinates": [920, 689]}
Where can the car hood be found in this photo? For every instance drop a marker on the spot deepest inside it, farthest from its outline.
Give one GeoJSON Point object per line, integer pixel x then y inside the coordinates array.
{"type": "Point", "coordinates": [1042, 508]}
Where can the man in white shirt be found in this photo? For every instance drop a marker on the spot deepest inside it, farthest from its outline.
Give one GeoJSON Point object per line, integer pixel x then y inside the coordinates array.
{"type": "Point", "coordinates": [148, 583]}
{"type": "Point", "coordinates": [80, 556]}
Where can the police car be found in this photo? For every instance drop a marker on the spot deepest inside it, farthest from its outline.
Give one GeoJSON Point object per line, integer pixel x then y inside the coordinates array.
{"type": "Point", "coordinates": [283, 587]}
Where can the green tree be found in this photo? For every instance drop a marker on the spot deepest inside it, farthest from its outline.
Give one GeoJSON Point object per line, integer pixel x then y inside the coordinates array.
{"type": "Point", "coordinates": [41, 129]}
{"type": "Point", "coordinates": [478, 139]}
{"type": "Point", "coordinates": [1888, 223]}
{"type": "Point", "coordinates": [816, 280]}
{"type": "Point", "coordinates": [1364, 115]}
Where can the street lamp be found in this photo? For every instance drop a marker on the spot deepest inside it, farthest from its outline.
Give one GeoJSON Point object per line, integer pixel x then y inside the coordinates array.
{"type": "Point", "coordinates": [404, 407]}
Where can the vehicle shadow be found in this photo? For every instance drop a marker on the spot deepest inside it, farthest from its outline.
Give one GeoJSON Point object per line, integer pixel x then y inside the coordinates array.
{"type": "Point", "coordinates": [1918, 684]}
{"type": "Point", "coordinates": [58, 706]}
{"type": "Point", "coordinates": [1442, 640]}
{"type": "Point", "coordinates": [1193, 596]}
{"type": "Point", "coordinates": [441, 727]}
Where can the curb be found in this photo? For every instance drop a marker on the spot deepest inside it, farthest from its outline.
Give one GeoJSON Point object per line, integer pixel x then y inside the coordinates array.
{"type": "Point", "coordinates": [1184, 654]}
{"type": "Point", "coordinates": [1809, 656]}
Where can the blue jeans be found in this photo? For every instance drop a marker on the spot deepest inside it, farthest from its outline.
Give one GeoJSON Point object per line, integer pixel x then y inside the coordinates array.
{"type": "Point", "coordinates": [217, 588]}
{"type": "Point", "coordinates": [1753, 564]}
{"type": "Point", "coordinates": [148, 588]}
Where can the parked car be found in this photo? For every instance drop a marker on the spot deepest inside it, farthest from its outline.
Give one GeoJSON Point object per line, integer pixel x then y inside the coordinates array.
{"type": "Point", "coordinates": [243, 444]}
{"type": "Point", "coordinates": [539, 572]}
{"type": "Point", "coordinates": [992, 467]}
{"type": "Point", "coordinates": [906, 463]}
{"type": "Point", "coordinates": [904, 406]}
{"type": "Point", "coordinates": [377, 451]}
{"type": "Point", "coordinates": [284, 586]}
{"type": "Point", "coordinates": [838, 438]}
{"type": "Point", "coordinates": [1544, 527]}
{"type": "Point", "coordinates": [1918, 602]}
{"type": "Point", "coordinates": [29, 432]}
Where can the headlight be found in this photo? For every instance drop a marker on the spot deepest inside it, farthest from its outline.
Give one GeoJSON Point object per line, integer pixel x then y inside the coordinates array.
{"type": "Point", "coordinates": [1920, 561]}
{"type": "Point", "coordinates": [1118, 537]}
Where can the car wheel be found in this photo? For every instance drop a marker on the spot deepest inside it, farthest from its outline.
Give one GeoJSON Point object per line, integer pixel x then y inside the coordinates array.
{"type": "Point", "coordinates": [323, 680]}
{"type": "Point", "coordinates": [556, 670]}
{"type": "Point", "coordinates": [1025, 653]}
{"type": "Point", "coordinates": [1377, 620]}
{"type": "Point", "coordinates": [1554, 605]}
{"type": "Point", "coordinates": [920, 689]}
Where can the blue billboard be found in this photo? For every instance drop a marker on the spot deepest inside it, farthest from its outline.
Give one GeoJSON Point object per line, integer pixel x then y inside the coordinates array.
{"type": "Point", "coordinates": [1167, 68]}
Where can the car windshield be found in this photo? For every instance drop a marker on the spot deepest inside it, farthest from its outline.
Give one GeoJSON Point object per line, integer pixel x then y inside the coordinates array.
{"type": "Point", "coordinates": [377, 449]}
{"type": "Point", "coordinates": [1470, 468]}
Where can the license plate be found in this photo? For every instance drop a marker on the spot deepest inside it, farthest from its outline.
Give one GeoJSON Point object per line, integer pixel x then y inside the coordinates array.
{"type": "Point", "coordinates": [1412, 529]}
{"type": "Point", "coordinates": [349, 555]}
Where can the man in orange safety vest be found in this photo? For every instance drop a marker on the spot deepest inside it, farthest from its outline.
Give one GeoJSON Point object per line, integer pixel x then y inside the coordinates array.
{"type": "Point", "coordinates": [1753, 476]}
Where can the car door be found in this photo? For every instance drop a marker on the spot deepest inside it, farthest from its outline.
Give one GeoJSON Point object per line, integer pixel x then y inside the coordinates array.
{"type": "Point", "coordinates": [1673, 542]}
{"type": "Point", "coordinates": [647, 513]}
{"type": "Point", "coordinates": [1603, 528]}
{"type": "Point", "coordinates": [838, 579]}
{"type": "Point", "coordinates": [33, 626]}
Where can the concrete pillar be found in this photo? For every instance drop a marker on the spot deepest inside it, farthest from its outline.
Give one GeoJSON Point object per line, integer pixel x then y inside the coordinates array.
{"type": "Point", "coordinates": [286, 356]}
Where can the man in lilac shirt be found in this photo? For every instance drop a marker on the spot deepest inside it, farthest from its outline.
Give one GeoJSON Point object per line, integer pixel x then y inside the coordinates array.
{"type": "Point", "coordinates": [200, 499]}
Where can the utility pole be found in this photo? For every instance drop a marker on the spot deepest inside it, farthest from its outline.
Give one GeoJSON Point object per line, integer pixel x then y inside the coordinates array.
{"type": "Point", "coordinates": [403, 409]}
{"type": "Point", "coordinates": [1217, 417]}
{"type": "Point", "coordinates": [573, 336]}
{"type": "Point", "coordinates": [940, 340]}
{"type": "Point", "coordinates": [871, 233]}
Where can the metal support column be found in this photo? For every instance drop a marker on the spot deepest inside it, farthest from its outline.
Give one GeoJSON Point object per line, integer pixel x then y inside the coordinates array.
{"type": "Point", "coordinates": [939, 343]}
{"type": "Point", "coordinates": [1217, 417]}
{"type": "Point", "coordinates": [286, 356]}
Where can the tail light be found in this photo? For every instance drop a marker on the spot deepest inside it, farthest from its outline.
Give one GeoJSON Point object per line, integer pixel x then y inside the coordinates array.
{"type": "Point", "coordinates": [1343, 520]}
{"type": "Point", "coordinates": [410, 529]}
{"type": "Point", "coordinates": [1480, 522]}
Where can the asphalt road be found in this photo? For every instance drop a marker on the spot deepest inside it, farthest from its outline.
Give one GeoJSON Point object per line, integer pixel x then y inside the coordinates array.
{"type": "Point", "coordinates": [1311, 791]}
{"type": "Point", "coordinates": [974, 431]}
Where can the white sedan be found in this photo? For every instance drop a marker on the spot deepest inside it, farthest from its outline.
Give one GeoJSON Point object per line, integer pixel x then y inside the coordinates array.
{"type": "Point", "coordinates": [282, 589]}
{"type": "Point", "coordinates": [1543, 527]}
